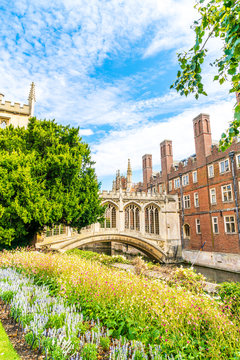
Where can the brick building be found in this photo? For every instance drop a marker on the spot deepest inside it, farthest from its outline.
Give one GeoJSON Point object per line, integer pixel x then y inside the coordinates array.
{"type": "Point", "coordinates": [208, 188]}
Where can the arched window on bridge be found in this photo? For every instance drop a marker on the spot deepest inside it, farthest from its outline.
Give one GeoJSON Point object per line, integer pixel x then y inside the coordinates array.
{"type": "Point", "coordinates": [110, 217]}
{"type": "Point", "coordinates": [132, 218]}
{"type": "Point", "coordinates": [152, 220]}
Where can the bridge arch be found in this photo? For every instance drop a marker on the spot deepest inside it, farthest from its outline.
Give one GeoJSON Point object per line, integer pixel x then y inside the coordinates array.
{"type": "Point", "coordinates": [146, 246]}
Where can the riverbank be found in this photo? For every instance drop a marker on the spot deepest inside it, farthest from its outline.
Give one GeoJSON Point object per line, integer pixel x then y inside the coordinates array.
{"type": "Point", "coordinates": [213, 260]}
{"type": "Point", "coordinates": [209, 287]}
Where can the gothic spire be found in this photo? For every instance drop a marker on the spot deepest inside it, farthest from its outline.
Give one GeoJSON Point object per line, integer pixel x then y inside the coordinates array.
{"type": "Point", "coordinates": [32, 98]}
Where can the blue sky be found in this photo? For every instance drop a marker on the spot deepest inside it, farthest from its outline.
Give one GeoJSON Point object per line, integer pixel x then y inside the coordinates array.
{"type": "Point", "coordinates": [107, 66]}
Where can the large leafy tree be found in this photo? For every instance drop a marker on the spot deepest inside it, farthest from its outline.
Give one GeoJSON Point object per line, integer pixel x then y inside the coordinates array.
{"type": "Point", "coordinates": [219, 19]}
{"type": "Point", "coordinates": [46, 178]}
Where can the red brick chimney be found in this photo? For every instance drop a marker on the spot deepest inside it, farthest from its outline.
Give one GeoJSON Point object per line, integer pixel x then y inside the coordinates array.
{"type": "Point", "coordinates": [202, 137]}
{"type": "Point", "coordinates": [147, 169]}
{"type": "Point", "coordinates": [166, 157]}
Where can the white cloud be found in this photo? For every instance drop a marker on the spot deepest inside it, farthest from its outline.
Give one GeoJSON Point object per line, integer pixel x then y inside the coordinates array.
{"type": "Point", "coordinates": [174, 29]}
{"type": "Point", "coordinates": [61, 44]}
{"type": "Point", "coordinates": [113, 151]}
{"type": "Point", "coordinates": [85, 132]}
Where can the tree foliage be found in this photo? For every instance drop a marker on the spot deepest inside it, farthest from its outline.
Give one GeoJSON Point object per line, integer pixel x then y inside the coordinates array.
{"type": "Point", "coordinates": [46, 178]}
{"type": "Point", "coordinates": [219, 19]}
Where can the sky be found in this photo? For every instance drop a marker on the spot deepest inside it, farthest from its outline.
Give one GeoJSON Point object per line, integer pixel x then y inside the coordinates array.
{"type": "Point", "coordinates": [107, 66]}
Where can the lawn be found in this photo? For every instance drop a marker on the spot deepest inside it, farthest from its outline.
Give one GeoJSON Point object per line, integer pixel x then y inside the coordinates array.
{"type": "Point", "coordinates": [7, 351]}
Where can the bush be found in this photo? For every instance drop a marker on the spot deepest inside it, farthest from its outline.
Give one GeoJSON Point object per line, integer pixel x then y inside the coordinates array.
{"type": "Point", "coordinates": [139, 265]}
{"type": "Point", "coordinates": [189, 279]}
{"type": "Point", "coordinates": [230, 295]}
{"type": "Point", "coordinates": [105, 343]}
{"type": "Point", "coordinates": [89, 352]}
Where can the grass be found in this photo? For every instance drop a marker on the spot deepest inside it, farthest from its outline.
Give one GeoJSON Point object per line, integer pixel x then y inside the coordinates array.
{"type": "Point", "coordinates": [7, 351]}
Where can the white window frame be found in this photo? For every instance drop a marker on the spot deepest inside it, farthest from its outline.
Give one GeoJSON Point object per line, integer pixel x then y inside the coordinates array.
{"type": "Point", "coordinates": [198, 226]}
{"type": "Point", "coordinates": [185, 180]}
{"type": "Point", "coordinates": [194, 175]}
{"type": "Point", "coordinates": [196, 200]}
{"type": "Point", "coordinates": [227, 191]}
{"type": "Point", "coordinates": [229, 222]}
{"type": "Point", "coordinates": [170, 185]}
{"type": "Point", "coordinates": [186, 199]}
{"type": "Point", "coordinates": [177, 183]}
{"type": "Point", "coordinates": [238, 161]}
{"type": "Point", "coordinates": [224, 162]}
{"type": "Point", "coordinates": [213, 193]}
{"type": "Point", "coordinates": [215, 222]}
{"type": "Point", "coordinates": [210, 174]}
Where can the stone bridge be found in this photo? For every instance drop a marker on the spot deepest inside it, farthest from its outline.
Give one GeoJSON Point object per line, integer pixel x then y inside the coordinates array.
{"type": "Point", "coordinates": [148, 222]}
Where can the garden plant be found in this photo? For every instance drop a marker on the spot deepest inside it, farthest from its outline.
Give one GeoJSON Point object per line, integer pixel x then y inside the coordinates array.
{"type": "Point", "coordinates": [148, 318]}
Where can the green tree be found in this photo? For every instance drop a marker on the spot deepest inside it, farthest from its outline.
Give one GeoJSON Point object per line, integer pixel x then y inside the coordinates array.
{"type": "Point", "coordinates": [219, 19]}
{"type": "Point", "coordinates": [46, 178]}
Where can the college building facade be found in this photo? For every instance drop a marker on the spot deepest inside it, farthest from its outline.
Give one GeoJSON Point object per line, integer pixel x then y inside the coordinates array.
{"type": "Point", "coordinates": [208, 188]}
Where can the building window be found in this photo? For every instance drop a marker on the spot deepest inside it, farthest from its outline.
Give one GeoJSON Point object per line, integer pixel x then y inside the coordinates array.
{"type": "Point", "coordinates": [211, 171]}
{"type": "Point", "coordinates": [224, 166]}
{"type": "Point", "coordinates": [213, 198]}
{"type": "Point", "coordinates": [185, 180]}
{"type": "Point", "coordinates": [196, 200]}
{"type": "Point", "coordinates": [160, 189]}
{"type": "Point", "coordinates": [198, 227]}
{"type": "Point", "coordinates": [132, 221]}
{"type": "Point", "coordinates": [227, 193]}
{"type": "Point", "coordinates": [186, 200]}
{"type": "Point", "coordinates": [170, 185]}
{"type": "Point", "coordinates": [177, 183]}
{"type": "Point", "coordinates": [179, 203]}
{"type": "Point", "coordinates": [152, 220]}
{"type": "Point", "coordinates": [109, 221]}
{"type": "Point", "coordinates": [194, 176]}
{"type": "Point", "coordinates": [215, 225]}
{"type": "Point", "coordinates": [186, 229]}
{"type": "Point", "coordinates": [238, 160]}
{"type": "Point", "coordinates": [229, 222]}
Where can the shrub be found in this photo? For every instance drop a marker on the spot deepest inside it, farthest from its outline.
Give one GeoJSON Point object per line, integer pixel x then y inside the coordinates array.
{"type": "Point", "coordinates": [229, 293]}
{"type": "Point", "coordinates": [89, 352]}
{"type": "Point", "coordinates": [83, 327]}
{"type": "Point", "coordinates": [105, 342]}
{"type": "Point", "coordinates": [189, 279]}
{"type": "Point", "coordinates": [139, 265]}
{"type": "Point", "coordinates": [7, 296]}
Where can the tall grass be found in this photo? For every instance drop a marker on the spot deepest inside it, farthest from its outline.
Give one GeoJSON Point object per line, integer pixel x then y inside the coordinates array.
{"type": "Point", "coordinates": [196, 326]}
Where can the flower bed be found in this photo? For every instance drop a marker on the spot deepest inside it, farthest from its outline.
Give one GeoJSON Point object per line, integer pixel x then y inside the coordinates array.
{"type": "Point", "coordinates": [59, 330]}
{"type": "Point", "coordinates": [195, 326]}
